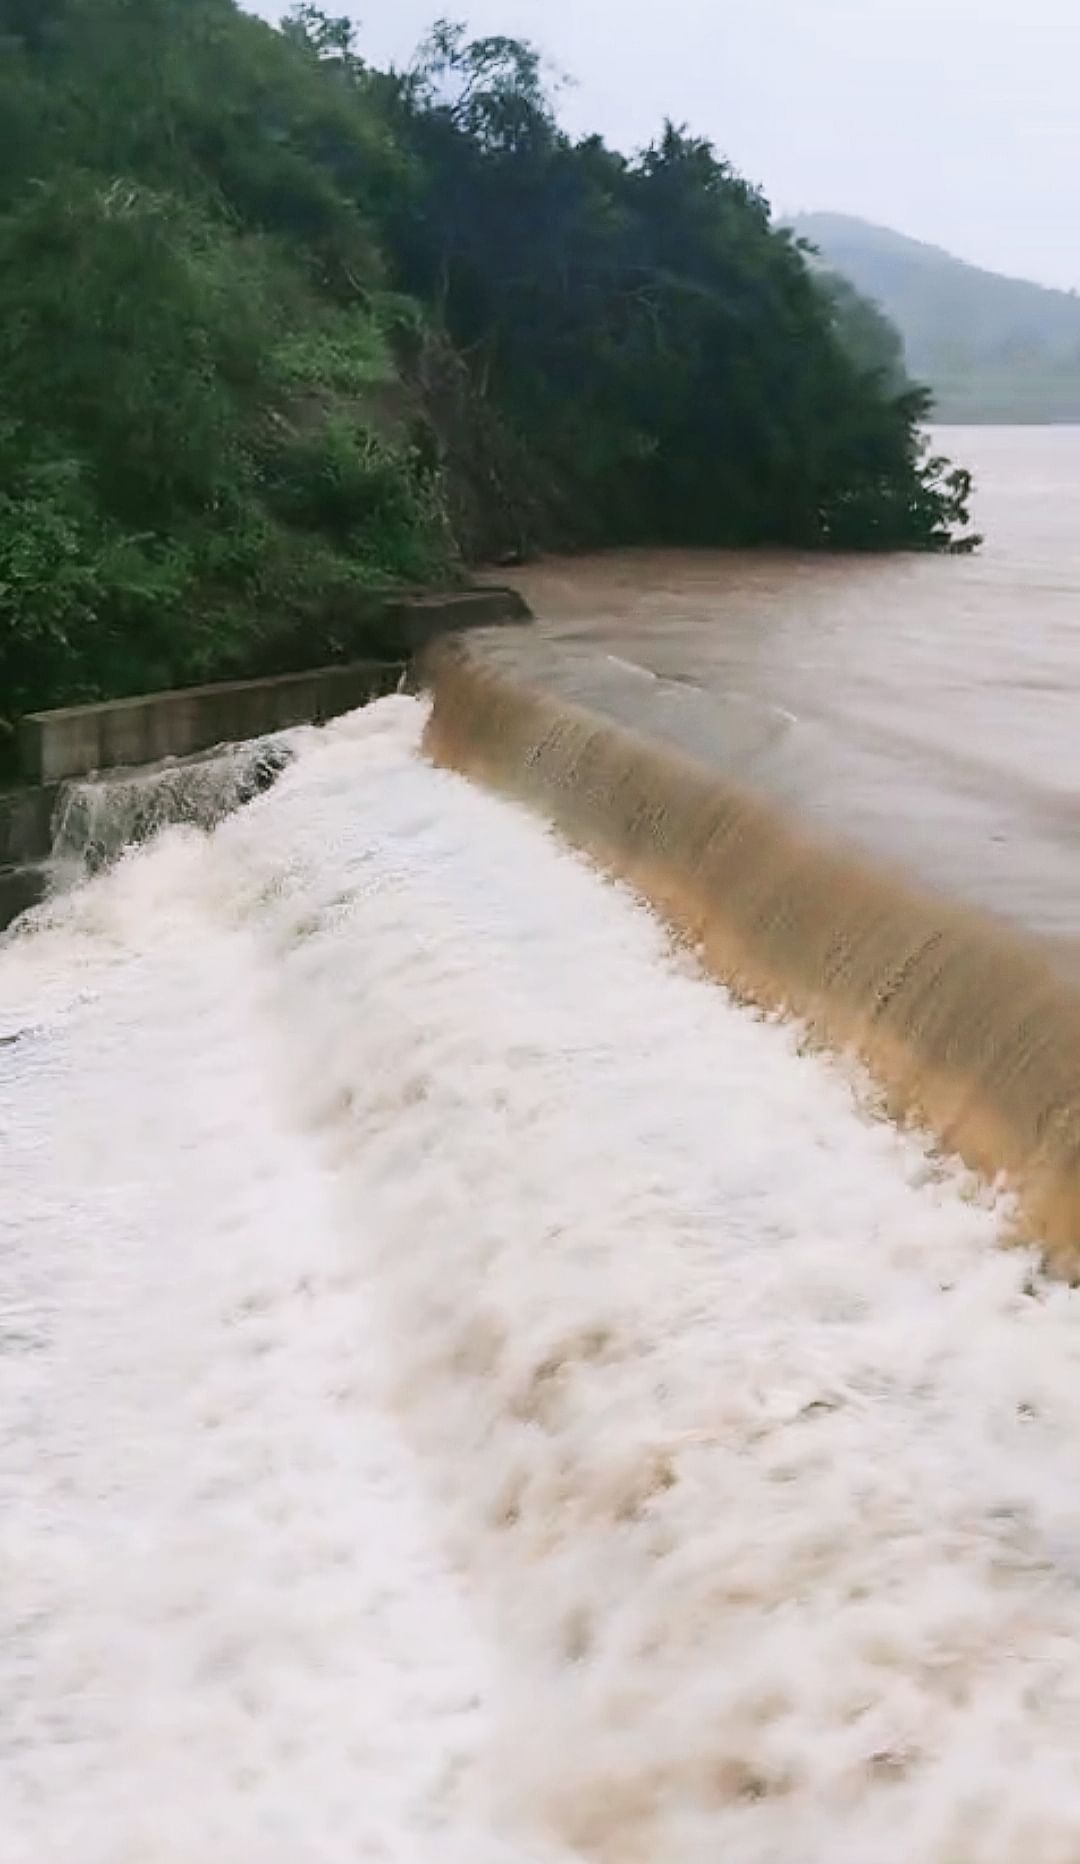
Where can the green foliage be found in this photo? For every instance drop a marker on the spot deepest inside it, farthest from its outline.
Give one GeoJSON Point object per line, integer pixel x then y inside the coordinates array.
{"type": "Point", "coordinates": [130, 330]}
{"type": "Point", "coordinates": [72, 585]}
{"type": "Point", "coordinates": [346, 355]}
{"type": "Point", "coordinates": [358, 490]}
{"type": "Point", "coordinates": [269, 315]}
{"type": "Point", "coordinates": [664, 354]}
{"type": "Point", "coordinates": [201, 443]}
{"type": "Point", "coordinates": [491, 90]}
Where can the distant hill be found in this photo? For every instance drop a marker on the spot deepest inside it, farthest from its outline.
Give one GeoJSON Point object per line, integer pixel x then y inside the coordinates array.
{"type": "Point", "coordinates": [991, 348]}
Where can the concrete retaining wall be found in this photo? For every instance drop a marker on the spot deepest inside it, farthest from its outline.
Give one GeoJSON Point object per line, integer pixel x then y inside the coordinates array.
{"type": "Point", "coordinates": [79, 741]}
{"type": "Point", "coordinates": [76, 740]}
{"type": "Point", "coordinates": [411, 626]}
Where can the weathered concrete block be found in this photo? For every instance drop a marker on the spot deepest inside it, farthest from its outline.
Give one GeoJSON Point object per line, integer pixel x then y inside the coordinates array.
{"type": "Point", "coordinates": [423, 619]}
{"type": "Point", "coordinates": [26, 824]}
{"type": "Point", "coordinates": [76, 740]}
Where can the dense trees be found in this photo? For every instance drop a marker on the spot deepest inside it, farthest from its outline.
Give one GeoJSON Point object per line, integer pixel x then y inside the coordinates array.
{"type": "Point", "coordinates": [668, 357]}
{"type": "Point", "coordinates": [276, 327]}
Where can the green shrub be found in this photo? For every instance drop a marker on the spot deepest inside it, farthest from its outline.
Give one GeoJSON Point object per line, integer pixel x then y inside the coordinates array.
{"type": "Point", "coordinates": [367, 494]}
{"type": "Point", "coordinates": [84, 605]}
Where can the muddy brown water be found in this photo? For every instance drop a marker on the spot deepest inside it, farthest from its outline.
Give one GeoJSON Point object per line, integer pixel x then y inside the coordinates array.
{"type": "Point", "coordinates": [927, 710]}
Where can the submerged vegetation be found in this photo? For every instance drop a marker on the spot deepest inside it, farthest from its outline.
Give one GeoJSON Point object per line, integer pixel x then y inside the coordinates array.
{"type": "Point", "coordinates": [278, 329]}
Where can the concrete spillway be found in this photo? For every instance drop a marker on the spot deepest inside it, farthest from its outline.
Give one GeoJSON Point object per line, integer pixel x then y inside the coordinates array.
{"type": "Point", "coordinates": [966, 1027]}
{"type": "Point", "coordinates": [474, 1392]}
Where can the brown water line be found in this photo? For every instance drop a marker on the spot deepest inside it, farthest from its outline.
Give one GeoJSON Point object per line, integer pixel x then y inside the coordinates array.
{"type": "Point", "coordinates": [963, 1025]}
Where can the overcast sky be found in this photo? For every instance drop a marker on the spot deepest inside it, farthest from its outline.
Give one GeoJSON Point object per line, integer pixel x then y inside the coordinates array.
{"type": "Point", "coordinates": [957, 121]}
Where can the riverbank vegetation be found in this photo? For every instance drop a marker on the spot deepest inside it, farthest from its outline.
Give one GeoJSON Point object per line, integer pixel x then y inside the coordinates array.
{"type": "Point", "coordinates": [278, 329]}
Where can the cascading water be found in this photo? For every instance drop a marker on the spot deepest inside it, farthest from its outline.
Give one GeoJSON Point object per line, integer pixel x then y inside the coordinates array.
{"type": "Point", "coordinates": [475, 1395]}
{"type": "Point", "coordinates": [97, 818]}
{"type": "Point", "coordinates": [967, 1026]}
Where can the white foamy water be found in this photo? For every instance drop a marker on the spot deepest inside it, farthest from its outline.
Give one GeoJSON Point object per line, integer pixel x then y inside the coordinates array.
{"type": "Point", "coordinates": [98, 817]}
{"type": "Point", "coordinates": [471, 1392]}
{"type": "Point", "coordinates": [227, 1632]}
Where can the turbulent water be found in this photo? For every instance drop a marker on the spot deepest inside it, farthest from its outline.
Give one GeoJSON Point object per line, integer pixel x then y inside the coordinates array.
{"type": "Point", "coordinates": [97, 818]}
{"type": "Point", "coordinates": [473, 1395]}
{"type": "Point", "coordinates": [925, 708]}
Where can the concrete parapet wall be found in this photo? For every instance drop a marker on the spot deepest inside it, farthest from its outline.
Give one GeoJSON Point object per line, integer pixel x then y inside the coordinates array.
{"type": "Point", "coordinates": [76, 740]}
{"type": "Point", "coordinates": [965, 1027]}
{"type": "Point", "coordinates": [416, 623]}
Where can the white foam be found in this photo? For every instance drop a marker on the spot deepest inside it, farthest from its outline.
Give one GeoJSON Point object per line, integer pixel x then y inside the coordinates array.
{"type": "Point", "coordinates": [228, 1632]}
{"type": "Point", "coordinates": [379, 1120]}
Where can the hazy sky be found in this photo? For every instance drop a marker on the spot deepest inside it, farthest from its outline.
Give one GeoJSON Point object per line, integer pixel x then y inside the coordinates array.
{"type": "Point", "coordinates": [957, 121]}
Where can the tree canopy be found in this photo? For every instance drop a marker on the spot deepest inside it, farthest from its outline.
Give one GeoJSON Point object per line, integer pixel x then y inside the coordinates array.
{"type": "Point", "coordinates": [278, 328]}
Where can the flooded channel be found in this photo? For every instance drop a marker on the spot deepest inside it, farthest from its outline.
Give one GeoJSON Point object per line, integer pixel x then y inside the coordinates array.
{"type": "Point", "coordinates": [926, 709]}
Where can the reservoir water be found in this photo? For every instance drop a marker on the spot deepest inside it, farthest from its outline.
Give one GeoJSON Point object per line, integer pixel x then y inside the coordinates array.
{"type": "Point", "coordinates": [925, 708]}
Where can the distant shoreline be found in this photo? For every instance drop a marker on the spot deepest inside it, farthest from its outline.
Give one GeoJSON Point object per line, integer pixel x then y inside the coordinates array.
{"type": "Point", "coordinates": [945, 418]}
{"type": "Point", "coordinates": [993, 351]}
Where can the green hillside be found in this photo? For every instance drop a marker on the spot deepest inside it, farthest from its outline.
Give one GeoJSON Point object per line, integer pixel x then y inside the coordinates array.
{"type": "Point", "coordinates": [278, 329]}
{"type": "Point", "coordinates": [990, 348]}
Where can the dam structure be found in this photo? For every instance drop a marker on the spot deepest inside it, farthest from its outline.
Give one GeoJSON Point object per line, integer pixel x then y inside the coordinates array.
{"type": "Point", "coordinates": [536, 1321]}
